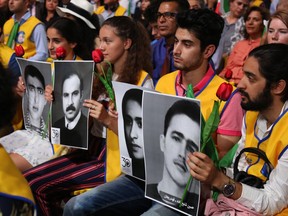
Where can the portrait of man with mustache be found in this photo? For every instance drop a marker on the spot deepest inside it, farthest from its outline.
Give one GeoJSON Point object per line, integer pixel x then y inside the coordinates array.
{"type": "Point", "coordinates": [73, 120]}
{"type": "Point", "coordinates": [180, 136]}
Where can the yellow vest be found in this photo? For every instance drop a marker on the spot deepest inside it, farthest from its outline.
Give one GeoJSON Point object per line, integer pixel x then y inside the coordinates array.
{"type": "Point", "coordinates": [207, 96]}
{"type": "Point", "coordinates": [25, 30]}
{"type": "Point", "coordinates": [273, 145]}
{"type": "Point", "coordinates": [119, 12]}
{"type": "Point", "coordinates": [5, 55]}
{"type": "Point", "coordinates": [12, 182]}
{"type": "Point", "coordinates": [113, 166]}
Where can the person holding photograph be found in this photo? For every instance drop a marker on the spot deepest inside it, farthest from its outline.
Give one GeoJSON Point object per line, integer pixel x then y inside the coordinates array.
{"type": "Point", "coordinates": [21, 143]}
{"type": "Point", "coordinates": [132, 117]}
{"type": "Point", "coordinates": [125, 44]}
{"type": "Point", "coordinates": [175, 142]}
{"type": "Point", "coordinates": [193, 40]}
{"type": "Point", "coordinates": [15, 195]}
{"type": "Point", "coordinates": [264, 93]}
{"type": "Point", "coordinates": [125, 197]}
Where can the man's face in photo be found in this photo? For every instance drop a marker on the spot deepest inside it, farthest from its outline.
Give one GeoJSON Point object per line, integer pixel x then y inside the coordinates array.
{"type": "Point", "coordinates": [133, 129]}
{"type": "Point", "coordinates": [181, 137]}
{"type": "Point", "coordinates": [36, 97]}
{"type": "Point", "coordinates": [71, 97]}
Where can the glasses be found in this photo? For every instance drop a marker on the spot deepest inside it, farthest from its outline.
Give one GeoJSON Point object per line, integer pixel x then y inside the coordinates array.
{"type": "Point", "coordinates": [166, 15]}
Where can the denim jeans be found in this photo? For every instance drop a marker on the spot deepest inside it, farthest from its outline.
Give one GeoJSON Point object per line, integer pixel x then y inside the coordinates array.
{"type": "Point", "coordinates": [123, 196]}
{"type": "Point", "coordinates": [160, 210]}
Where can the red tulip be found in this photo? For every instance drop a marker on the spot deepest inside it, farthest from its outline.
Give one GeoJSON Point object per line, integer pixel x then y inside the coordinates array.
{"type": "Point", "coordinates": [228, 74]}
{"type": "Point", "coordinates": [19, 51]}
{"type": "Point", "coordinates": [224, 91]}
{"type": "Point", "coordinates": [60, 53]}
{"type": "Point", "coordinates": [97, 56]}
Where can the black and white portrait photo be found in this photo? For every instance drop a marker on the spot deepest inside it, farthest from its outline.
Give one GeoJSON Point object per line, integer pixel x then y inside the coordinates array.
{"type": "Point", "coordinates": [172, 129]}
{"type": "Point", "coordinates": [36, 76]}
{"type": "Point", "coordinates": [73, 84]}
{"type": "Point", "coordinates": [130, 130]}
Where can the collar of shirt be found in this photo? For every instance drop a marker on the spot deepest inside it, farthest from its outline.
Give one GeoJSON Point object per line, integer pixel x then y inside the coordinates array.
{"type": "Point", "coordinates": [71, 125]}
{"type": "Point", "coordinates": [181, 89]}
{"type": "Point", "coordinates": [261, 129]}
{"type": "Point", "coordinates": [24, 18]}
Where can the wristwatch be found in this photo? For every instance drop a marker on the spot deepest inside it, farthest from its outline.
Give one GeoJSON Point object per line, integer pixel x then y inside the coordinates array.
{"type": "Point", "coordinates": [229, 188]}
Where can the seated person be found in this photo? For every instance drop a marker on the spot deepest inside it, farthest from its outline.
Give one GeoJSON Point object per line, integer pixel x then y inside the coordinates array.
{"type": "Point", "coordinates": [15, 195]}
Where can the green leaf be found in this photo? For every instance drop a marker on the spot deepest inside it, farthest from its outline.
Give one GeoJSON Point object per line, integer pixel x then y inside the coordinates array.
{"type": "Point", "coordinates": [212, 122]}
{"type": "Point", "coordinates": [210, 150]}
{"type": "Point", "coordinates": [227, 159]}
{"type": "Point", "coordinates": [215, 195]}
{"type": "Point", "coordinates": [109, 73]}
{"type": "Point", "coordinates": [185, 191]}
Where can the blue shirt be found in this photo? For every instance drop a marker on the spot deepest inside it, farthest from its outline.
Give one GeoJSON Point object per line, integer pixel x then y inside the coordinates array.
{"type": "Point", "coordinates": [158, 58]}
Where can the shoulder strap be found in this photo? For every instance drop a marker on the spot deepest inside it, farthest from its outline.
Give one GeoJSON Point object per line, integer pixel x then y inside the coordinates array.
{"type": "Point", "coordinates": [257, 152]}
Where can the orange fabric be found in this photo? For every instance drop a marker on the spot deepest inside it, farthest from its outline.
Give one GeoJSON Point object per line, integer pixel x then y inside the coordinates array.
{"type": "Point", "coordinates": [237, 58]}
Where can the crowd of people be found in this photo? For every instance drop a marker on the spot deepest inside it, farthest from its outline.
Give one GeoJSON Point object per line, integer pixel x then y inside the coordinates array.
{"type": "Point", "coordinates": [162, 45]}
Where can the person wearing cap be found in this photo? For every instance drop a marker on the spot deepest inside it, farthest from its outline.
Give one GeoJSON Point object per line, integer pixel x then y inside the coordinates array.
{"type": "Point", "coordinates": [111, 8]}
{"type": "Point", "coordinates": [26, 30]}
{"type": "Point", "coordinates": [83, 13]}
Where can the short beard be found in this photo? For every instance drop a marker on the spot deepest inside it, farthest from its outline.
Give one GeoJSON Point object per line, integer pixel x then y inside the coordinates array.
{"type": "Point", "coordinates": [262, 101]}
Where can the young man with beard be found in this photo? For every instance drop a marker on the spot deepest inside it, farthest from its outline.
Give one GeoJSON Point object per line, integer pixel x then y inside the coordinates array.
{"type": "Point", "coordinates": [264, 95]}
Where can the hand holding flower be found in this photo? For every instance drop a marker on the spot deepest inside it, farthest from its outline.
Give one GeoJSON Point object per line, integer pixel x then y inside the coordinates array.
{"type": "Point", "coordinates": [204, 164]}
{"type": "Point", "coordinates": [99, 112]}
{"type": "Point", "coordinates": [105, 77]}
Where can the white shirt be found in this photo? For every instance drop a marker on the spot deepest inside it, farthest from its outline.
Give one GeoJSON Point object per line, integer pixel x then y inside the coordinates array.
{"type": "Point", "coordinates": [274, 197]}
{"type": "Point", "coordinates": [70, 125]}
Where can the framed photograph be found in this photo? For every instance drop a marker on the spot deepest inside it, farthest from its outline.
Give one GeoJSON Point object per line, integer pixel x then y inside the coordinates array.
{"type": "Point", "coordinates": [130, 131]}
{"type": "Point", "coordinates": [36, 76]}
{"type": "Point", "coordinates": [171, 128]}
{"type": "Point", "coordinates": [72, 85]}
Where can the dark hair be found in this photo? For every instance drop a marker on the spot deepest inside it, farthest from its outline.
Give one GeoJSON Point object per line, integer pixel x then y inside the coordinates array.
{"type": "Point", "coordinates": [73, 72]}
{"type": "Point", "coordinates": [273, 64]}
{"type": "Point", "coordinates": [7, 98]}
{"type": "Point", "coordinates": [43, 12]}
{"type": "Point", "coordinates": [70, 30]}
{"type": "Point", "coordinates": [205, 24]}
{"type": "Point", "coordinates": [139, 54]}
{"type": "Point", "coordinates": [88, 35]}
{"type": "Point", "coordinates": [150, 14]}
{"type": "Point", "coordinates": [132, 94]}
{"type": "Point", "coordinates": [182, 4]}
{"type": "Point", "coordinates": [186, 107]}
{"type": "Point", "coordinates": [264, 15]}
{"type": "Point", "coordinates": [32, 71]}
